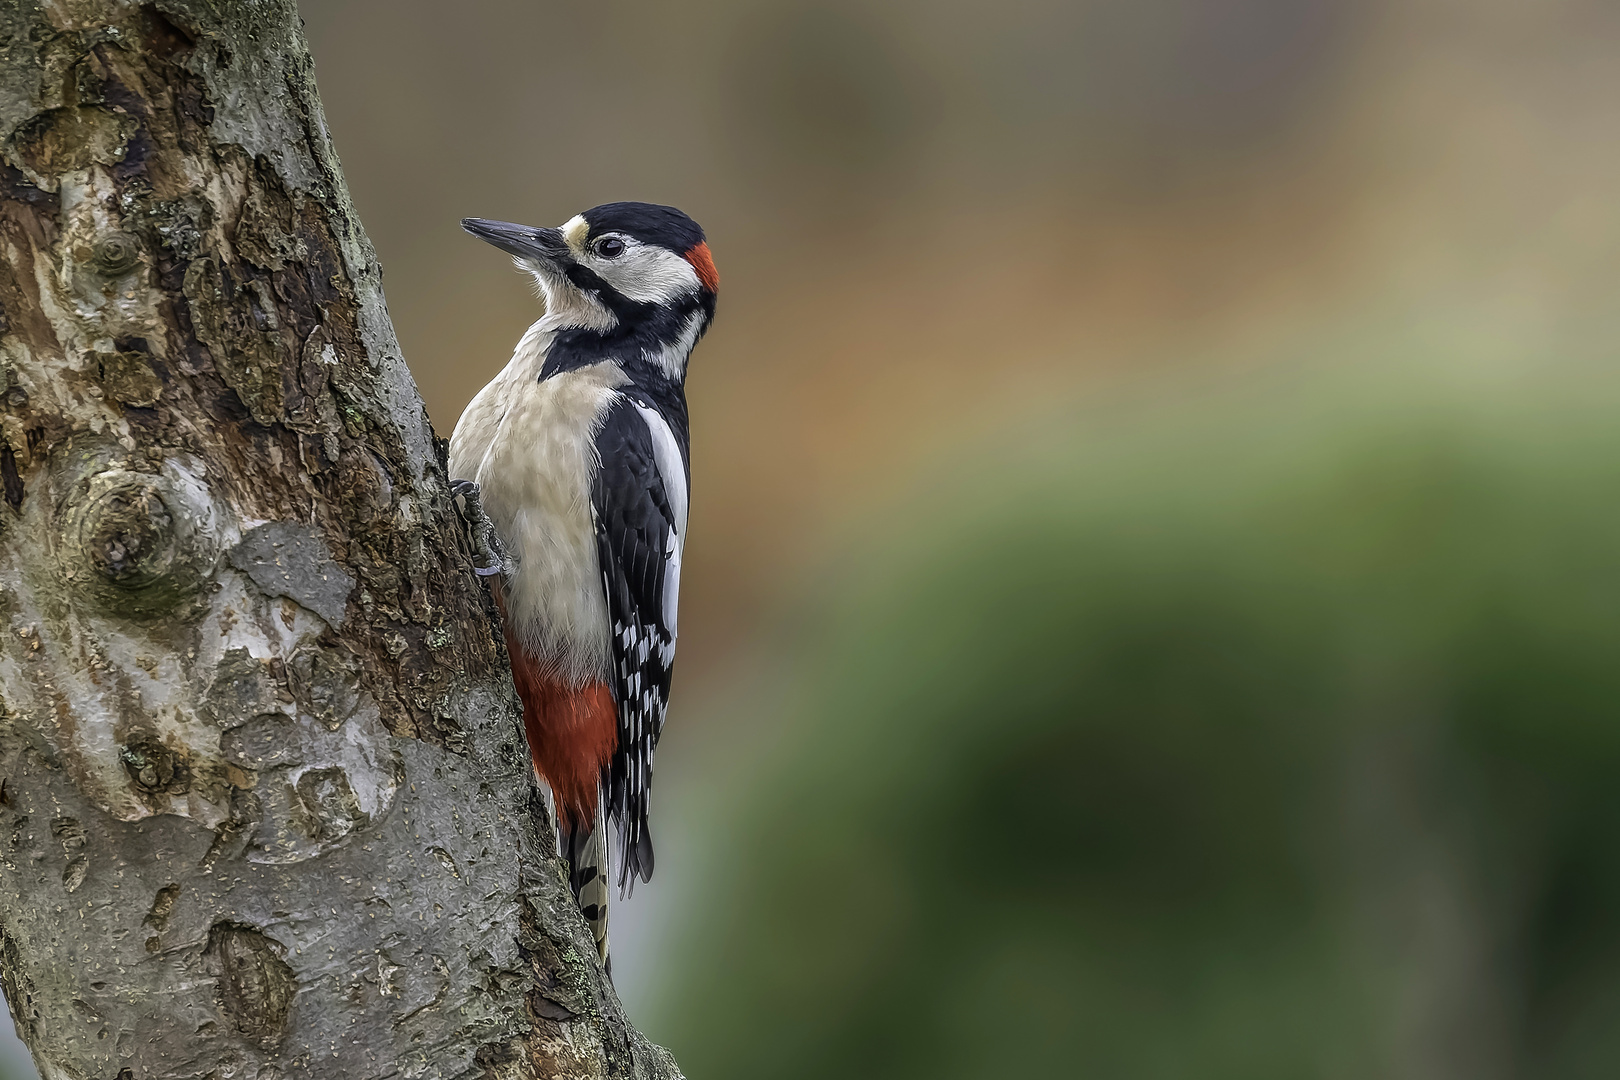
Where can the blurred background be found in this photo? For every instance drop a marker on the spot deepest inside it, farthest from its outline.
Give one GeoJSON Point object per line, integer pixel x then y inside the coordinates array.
{"type": "Point", "coordinates": [1152, 605]}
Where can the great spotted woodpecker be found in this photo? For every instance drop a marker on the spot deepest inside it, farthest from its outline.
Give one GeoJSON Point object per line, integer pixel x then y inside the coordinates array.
{"type": "Point", "coordinates": [578, 454]}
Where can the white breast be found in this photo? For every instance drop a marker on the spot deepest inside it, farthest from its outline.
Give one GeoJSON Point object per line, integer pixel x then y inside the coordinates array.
{"type": "Point", "coordinates": [530, 447]}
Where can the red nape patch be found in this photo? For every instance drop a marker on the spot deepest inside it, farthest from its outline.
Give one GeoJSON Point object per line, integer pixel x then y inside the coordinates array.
{"type": "Point", "coordinates": [703, 263]}
{"type": "Point", "coordinates": [572, 731]}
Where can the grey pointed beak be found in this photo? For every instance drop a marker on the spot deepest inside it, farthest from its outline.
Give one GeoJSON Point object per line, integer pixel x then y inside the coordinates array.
{"type": "Point", "coordinates": [524, 241]}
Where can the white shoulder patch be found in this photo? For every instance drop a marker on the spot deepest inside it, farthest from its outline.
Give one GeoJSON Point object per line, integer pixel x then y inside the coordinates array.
{"type": "Point", "coordinates": [667, 453]}
{"type": "Point", "coordinates": [672, 470]}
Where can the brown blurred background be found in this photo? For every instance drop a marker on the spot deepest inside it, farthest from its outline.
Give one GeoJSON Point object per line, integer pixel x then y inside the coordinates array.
{"type": "Point", "coordinates": [998, 275]}
{"type": "Point", "coordinates": [927, 216]}
{"type": "Point", "coordinates": [936, 219]}
{"type": "Point", "coordinates": [949, 227]}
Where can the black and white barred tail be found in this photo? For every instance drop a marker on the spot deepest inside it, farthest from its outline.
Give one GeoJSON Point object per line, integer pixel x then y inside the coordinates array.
{"type": "Point", "coordinates": [587, 857]}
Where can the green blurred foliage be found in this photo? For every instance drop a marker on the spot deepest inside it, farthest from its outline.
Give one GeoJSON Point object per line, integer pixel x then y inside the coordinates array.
{"type": "Point", "coordinates": [1277, 738]}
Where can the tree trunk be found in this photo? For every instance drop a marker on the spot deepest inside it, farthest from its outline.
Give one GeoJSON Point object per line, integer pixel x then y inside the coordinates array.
{"type": "Point", "coordinates": [264, 806]}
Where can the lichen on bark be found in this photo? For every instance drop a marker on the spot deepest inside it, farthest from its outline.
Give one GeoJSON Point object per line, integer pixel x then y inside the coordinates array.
{"type": "Point", "coordinates": [264, 810]}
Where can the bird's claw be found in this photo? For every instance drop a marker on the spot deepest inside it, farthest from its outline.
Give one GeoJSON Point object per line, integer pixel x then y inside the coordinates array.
{"type": "Point", "coordinates": [486, 545]}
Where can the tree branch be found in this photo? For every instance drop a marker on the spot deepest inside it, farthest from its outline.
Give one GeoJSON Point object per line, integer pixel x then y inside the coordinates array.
{"type": "Point", "coordinates": [265, 808]}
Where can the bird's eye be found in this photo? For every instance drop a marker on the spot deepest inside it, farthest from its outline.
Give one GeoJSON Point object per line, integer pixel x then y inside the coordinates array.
{"type": "Point", "coordinates": [610, 248]}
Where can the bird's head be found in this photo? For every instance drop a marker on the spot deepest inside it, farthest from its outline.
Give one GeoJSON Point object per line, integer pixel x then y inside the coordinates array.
{"type": "Point", "coordinates": [617, 267]}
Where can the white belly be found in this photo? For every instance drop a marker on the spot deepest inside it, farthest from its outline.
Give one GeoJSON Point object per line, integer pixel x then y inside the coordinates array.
{"type": "Point", "coordinates": [530, 447]}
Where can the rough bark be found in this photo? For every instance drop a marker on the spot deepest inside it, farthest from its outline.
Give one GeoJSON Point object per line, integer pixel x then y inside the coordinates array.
{"type": "Point", "coordinates": [264, 808]}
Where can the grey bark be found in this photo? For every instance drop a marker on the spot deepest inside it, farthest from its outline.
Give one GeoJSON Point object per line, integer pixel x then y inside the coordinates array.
{"type": "Point", "coordinates": [264, 806]}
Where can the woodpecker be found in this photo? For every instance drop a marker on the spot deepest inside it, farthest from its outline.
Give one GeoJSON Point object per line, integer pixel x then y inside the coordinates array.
{"type": "Point", "coordinates": [578, 454]}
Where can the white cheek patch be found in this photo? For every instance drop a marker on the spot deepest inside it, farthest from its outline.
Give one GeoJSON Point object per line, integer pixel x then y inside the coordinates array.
{"type": "Point", "coordinates": [648, 275]}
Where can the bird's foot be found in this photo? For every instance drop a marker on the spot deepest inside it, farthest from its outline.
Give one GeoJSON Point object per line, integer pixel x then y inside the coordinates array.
{"type": "Point", "coordinates": [485, 544]}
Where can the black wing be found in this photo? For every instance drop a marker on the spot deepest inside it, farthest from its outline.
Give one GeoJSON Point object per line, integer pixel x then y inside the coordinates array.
{"type": "Point", "coordinates": [639, 501]}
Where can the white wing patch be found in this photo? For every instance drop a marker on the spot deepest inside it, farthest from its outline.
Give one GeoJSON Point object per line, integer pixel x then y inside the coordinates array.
{"type": "Point", "coordinates": [673, 472]}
